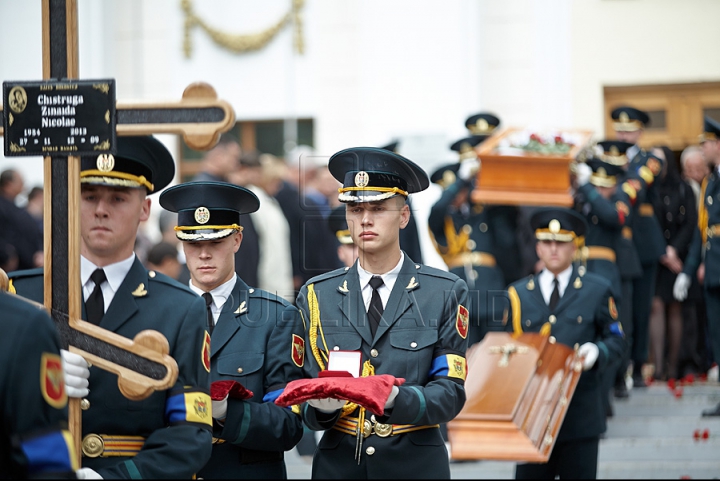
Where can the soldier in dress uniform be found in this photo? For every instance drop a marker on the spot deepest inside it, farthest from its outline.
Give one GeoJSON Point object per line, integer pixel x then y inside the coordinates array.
{"type": "Point", "coordinates": [607, 209]}
{"type": "Point", "coordinates": [35, 442]}
{"type": "Point", "coordinates": [406, 319]}
{"type": "Point", "coordinates": [168, 434]}
{"type": "Point", "coordinates": [462, 234]}
{"type": "Point", "coordinates": [578, 310]}
{"type": "Point", "coordinates": [257, 337]}
{"type": "Point", "coordinates": [704, 256]}
{"type": "Point", "coordinates": [629, 124]}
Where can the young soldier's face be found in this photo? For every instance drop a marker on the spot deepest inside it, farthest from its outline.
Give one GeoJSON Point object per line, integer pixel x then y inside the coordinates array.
{"type": "Point", "coordinates": [557, 256]}
{"type": "Point", "coordinates": [375, 226]}
{"type": "Point", "coordinates": [212, 262]}
{"type": "Point", "coordinates": [109, 220]}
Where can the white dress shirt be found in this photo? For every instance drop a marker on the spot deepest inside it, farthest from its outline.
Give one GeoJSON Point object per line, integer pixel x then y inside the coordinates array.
{"type": "Point", "coordinates": [545, 281]}
{"type": "Point", "coordinates": [220, 296]}
{"type": "Point", "coordinates": [388, 278]}
{"type": "Point", "coordinates": [115, 274]}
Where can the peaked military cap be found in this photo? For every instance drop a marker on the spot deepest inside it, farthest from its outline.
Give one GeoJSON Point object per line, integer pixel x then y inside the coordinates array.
{"type": "Point", "coordinates": [629, 119]}
{"type": "Point", "coordinates": [337, 222]}
{"type": "Point", "coordinates": [604, 173]}
{"type": "Point", "coordinates": [141, 161]}
{"type": "Point", "coordinates": [558, 224]}
{"type": "Point", "coordinates": [445, 175]}
{"type": "Point", "coordinates": [466, 146]}
{"type": "Point", "coordinates": [392, 146]}
{"type": "Point", "coordinates": [711, 130]}
{"type": "Point", "coordinates": [208, 210]}
{"type": "Point", "coordinates": [614, 151]}
{"type": "Point", "coordinates": [371, 174]}
{"type": "Point", "coordinates": [482, 123]}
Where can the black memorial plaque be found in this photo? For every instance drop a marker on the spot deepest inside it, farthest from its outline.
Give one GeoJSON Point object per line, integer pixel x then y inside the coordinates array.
{"type": "Point", "coordinates": [59, 118]}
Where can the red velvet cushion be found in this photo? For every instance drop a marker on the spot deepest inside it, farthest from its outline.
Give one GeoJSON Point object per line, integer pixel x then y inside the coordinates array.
{"type": "Point", "coordinates": [233, 389]}
{"type": "Point", "coordinates": [370, 392]}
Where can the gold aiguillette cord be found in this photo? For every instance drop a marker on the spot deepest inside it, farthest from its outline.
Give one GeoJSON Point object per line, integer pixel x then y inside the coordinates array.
{"type": "Point", "coordinates": [359, 435]}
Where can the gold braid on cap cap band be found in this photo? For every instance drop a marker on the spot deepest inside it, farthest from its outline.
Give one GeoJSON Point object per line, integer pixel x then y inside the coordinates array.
{"type": "Point", "coordinates": [117, 178]}
{"type": "Point", "coordinates": [560, 236]}
{"type": "Point", "coordinates": [603, 181]}
{"type": "Point", "coordinates": [706, 136]}
{"type": "Point", "coordinates": [208, 227]}
{"type": "Point", "coordinates": [394, 190]}
{"type": "Point", "coordinates": [615, 159]}
{"type": "Point", "coordinates": [628, 126]}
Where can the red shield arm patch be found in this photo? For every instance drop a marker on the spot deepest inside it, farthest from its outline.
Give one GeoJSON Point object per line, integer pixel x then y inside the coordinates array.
{"type": "Point", "coordinates": [298, 350]}
{"type": "Point", "coordinates": [612, 308]}
{"type": "Point", "coordinates": [52, 384]}
{"type": "Point", "coordinates": [462, 321]}
{"type": "Point", "coordinates": [206, 352]}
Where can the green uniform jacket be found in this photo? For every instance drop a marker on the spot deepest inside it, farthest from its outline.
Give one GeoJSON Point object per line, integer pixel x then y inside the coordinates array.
{"type": "Point", "coordinates": [257, 342]}
{"type": "Point", "coordinates": [33, 401]}
{"type": "Point", "coordinates": [585, 313]}
{"type": "Point", "coordinates": [647, 233]}
{"type": "Point", "coordinates": [709, 251]}
{"type": "Point", "coordinates": [176, 444]}
{"type": "Point", "coordinates": [422, 338]}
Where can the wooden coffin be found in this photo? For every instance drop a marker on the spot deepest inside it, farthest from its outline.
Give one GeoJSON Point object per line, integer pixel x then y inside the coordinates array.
{"type": "Point", "coordinates": [511, 176]}
{"type": "Point", "coordinates": [518, 391]}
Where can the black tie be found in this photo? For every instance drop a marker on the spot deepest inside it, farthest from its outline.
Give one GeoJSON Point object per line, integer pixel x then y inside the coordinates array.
{"type": "Point", "coordinates": [376, 308]}
{"type": "Point", "coordinates": [555, 296]}
{"type": "Point", "coordinates": [95, 304]}
{"type": "Point", "coordinates": [208, 303]}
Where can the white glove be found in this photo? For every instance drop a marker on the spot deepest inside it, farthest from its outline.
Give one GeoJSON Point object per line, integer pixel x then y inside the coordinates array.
{"type": "Point", "coordinates": [468, 169]}
{"type": "Point", "coordinates": [219, 409]}
{"type": "Point", "coordinates": [391, 398]}
{"type": "Point", "coordinates": [77, 372]}
{"type": "Point", "coordinates": [680, 288]}
{"type": "Point", "coordinates": [589, 352]}
{"type": "Point", "coordinates": [87, 473]}
{"type": "Point", "coordinates": [582, 173]}
{"type": "Point", "coordinates": [327, 405]}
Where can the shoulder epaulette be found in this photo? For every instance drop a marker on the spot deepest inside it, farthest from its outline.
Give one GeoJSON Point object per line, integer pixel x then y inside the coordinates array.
{"type": "Point", "coordinates": [263, 294]}
{"type": "Point", "coordinates": [38, 271]}
{"type": "Point", "coordinates": [168, 281]}
{"type": "Point", "coordinates": [434, 272]}
{"type": "Point", "coordinates": [328, 275]}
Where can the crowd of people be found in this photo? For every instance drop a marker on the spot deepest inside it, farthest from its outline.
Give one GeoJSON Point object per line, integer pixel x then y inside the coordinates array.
{"type": "Point", "coordinates": [269, 267]}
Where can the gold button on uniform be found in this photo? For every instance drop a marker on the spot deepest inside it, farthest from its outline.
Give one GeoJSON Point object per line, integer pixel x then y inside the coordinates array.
{"type": "Point", "coordinates": [374, 353]}
{"type": "Point", "coordinates": [84, 404]}
{"type": "Point", "coordinates": [336, 348]}
{"type": "Point", "coordinates": [151, 274]}
{"type": "Point", "coordinates": [413, 344]}
{"type": "Point", "coordinates": [240, 370]}
{"type": "Point", "coordinates": [552, 340]}
{"type": "Point", "coordinates": [370, 451]}
{"type": "Point", "coordinates": [552, 319]}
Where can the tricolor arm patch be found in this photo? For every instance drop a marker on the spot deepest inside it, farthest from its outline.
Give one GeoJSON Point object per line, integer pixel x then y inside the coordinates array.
{"type": "Point", "coordinates": [50, 452]}
{"type": "Point", "coordinates": [449, 365]}
{"type": "Point", "coordinates": [189, 405]}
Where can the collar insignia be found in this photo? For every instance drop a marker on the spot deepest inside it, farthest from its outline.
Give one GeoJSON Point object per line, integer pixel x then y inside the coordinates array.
{"type": "Point", "coordinates": [344, 287]}
{"type": "Point", "coordinates": [241, 309]}
{"type": "Point", "coordinates": [412, 284]}
{"type": "Point", "coordinates": [530, 284]}
{"type": "Point", "coordinates": [578, 283]}
{"type": "Point", "coordinates": [140, 291]}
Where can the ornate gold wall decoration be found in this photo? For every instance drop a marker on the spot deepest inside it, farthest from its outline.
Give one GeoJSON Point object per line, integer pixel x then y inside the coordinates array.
{"type": "Point", "coordinates": [241, 43]}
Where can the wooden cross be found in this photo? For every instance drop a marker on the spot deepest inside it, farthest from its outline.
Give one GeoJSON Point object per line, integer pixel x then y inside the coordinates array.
{"type": "Point", "coordinates": [507, 350]}
{"type": "Point", "coordinates": [142, 364]}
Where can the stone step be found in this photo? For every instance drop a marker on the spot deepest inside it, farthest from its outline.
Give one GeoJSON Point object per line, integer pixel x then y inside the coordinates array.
{"type": "Point", "coordinates": [666, 426]}
{"type": "Point", "coordinates": [658, 469]}
{"type": "Point", "coordinates": [642, 450]}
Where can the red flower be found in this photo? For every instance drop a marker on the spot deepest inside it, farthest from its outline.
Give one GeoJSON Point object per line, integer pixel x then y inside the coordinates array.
{"type": "Point", "coordinates": [671, 383]}
{"type": "Point", "coordinates": [696, 435]}
{"type": "Point", "coordinates": [678, 392]}
{"type": "Point", "coordinates": [558, 139]}
{"type": "Point", "coordinates": [706, 434]}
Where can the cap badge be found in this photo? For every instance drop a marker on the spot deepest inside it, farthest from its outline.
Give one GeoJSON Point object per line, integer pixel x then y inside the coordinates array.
{"type": "Point", "coordinates": [614, 150]}
{"type": "Point", "coordinates": [362, 179]}
{"type": "Point", "coordinates": [105, 162]}
{"type": "Point", "coordinates": [624, 117]}
{"type": "Point", "coordinates": [554, 226]}
{"type": "Point", "coordinates": [602, 172]}
{"type": "Point", "coordinates": [482, 125]}
{"type": "Point", "coordinates": [202, 215]}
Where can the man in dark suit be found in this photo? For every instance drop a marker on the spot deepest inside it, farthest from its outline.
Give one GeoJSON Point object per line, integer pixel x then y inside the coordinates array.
{"type": "Point", "coordinates": [35, 442]}
{"type": "Point", "coordinates": [257, 337]}
{"type": "Point", "coordinates": [405, 319]}
{"type": "Point", "coordinates": [577, 310]}
{"type": "Point", "coordinates": [168, 434]}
